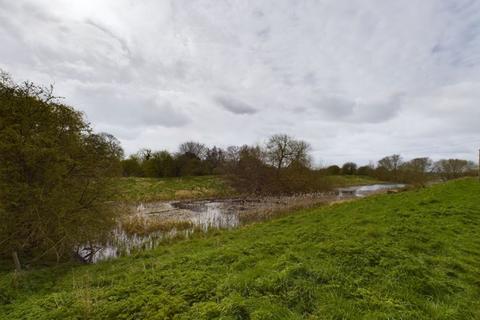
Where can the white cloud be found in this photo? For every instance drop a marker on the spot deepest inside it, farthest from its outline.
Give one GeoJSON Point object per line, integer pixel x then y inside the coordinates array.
{"type": "Point", "coordinates": [358, 79]}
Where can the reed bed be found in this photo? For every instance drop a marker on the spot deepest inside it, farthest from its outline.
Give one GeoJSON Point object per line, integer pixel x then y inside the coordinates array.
{"type": "Point", "coordinates": [142, 225]}
{"type": "Point", "coordinates": [279, 208]}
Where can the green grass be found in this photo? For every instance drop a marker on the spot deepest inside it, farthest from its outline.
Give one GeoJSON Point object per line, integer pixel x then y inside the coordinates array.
{"type": "Point", "coordinates": [347, 181]}
{"type": "Point", "coordinates": [152, 189]}
{"type": "Point", "coordinates": [135, 189]}
{"type": "Point", "coordinates": [411, 255]}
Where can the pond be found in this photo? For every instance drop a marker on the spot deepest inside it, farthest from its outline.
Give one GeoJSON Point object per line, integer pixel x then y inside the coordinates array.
{"type": "Point", "coordinates": [362, 191]}
{"type": "Point", "coordinates": [182, 218]}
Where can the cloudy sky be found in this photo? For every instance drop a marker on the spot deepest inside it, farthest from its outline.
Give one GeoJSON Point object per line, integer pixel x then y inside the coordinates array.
{"type": "Point", "coordinates": [358, 79]}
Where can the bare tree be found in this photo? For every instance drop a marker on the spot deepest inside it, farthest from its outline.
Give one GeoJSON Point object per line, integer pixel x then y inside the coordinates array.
{"type": "Point", "coordinates": [196, 149]}
{"type": "Point", "coordinates": [300, 152]}
{"type": "Point", "coordinates": [391, 164]}
{"type": "Point", "coordinates": [420, 165]}
{"type": "Point", "coordinates": [144, 154]}
{"type": "Point", "coordinates": [416, 171]}
{"type": "Point", "coordinates": [232, 154]}
{"type": "Point", "coordinates": [282, 150]}
{"type": "Point", "coordinates": [452, 168]}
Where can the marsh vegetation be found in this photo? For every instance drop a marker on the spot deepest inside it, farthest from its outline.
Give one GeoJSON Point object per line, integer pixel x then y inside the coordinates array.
{"type": "Point", "coordinates": [147, 225]}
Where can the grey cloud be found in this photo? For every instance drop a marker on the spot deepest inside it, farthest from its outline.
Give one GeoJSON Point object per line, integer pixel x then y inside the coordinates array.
{"type": "Point", "coordinates": [264, 34]}
{"type": "Point", "coordinates": [113, 107]}
{"type": "Point", "coordinates": [379, 111]}
{"type": "Point", "coordinates": [336, 108]}
{"type": "Point", "coordinates": [342, 109]}
{"type": "Point", "coordinates": [111, 34]}
{"type": "Point", "coordinates": [50, 44]}
{"type": "Point", "coordinates": [310, 79]}
{"type": "Point", "coordinates": [235, 106]}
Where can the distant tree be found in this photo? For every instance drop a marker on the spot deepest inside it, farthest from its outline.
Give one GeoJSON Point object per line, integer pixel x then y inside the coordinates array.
{"type": "Point", "coordinates": [300, 153]}
{"type": "Point", "coordinates": [333, 170]}
{"type": "Point", "coordinates": [55, 184]}
{"type": "Point", "coordinates": [232, 154]}
{"type": "Point", "coordinates": [214, 160]}
{"type": "Point", "coordinates": [365, 170]}
{"type": "Point", "coordinates": [144, 154]}
{"type": "Point", "coordinates": [192, 148]}
{"type": "Point", "coordinates": [278, 150]}
{"type": "Point", "coordinates": [132, 167]}
{"type": "Point", "coordinates": [281, 150]}
{"type": "Point", "coordinates": [349, 168]}
{"type": "Point", "coordinates": [250, 173]}
{"type": "Point", "coordinates": [452, 168]}
{"type": "Point", "coordinates": [188, 164]}
{"type": "Point", "coordinates": [390, 163]}
{"type": "Point", "coordinates": [160, 164]}
{"type": "Point", "coordinates": [388, 167]}
{"type": "Point", "coordinates": [422, 165]}
{"type": "Point", "coordinates": [416, 171]}
{"type": "Point", "coordinates": [166, 162]}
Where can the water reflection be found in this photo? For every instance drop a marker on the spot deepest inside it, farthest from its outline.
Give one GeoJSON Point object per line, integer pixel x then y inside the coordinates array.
{"type": "Point", "coordinates": [218, 214]}
{"type": "Point", "coordinates": [362, 191]}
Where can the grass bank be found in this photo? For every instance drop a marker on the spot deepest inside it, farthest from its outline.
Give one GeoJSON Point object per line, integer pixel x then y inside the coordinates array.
{"type": "Point", "coordinates": [151, 189]}
{"type": "Point", "coordinates": [136, 190]}
{"type": "Point", "coordinates": [412, 255]}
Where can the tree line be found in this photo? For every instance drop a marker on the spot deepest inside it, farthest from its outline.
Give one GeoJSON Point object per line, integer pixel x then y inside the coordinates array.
{"type": "Point", "coordinates": [281, 165]}
{"type": "Point", "coordinates": [280, 157]}
{"type": "Point", "coordinates": [417, 171]}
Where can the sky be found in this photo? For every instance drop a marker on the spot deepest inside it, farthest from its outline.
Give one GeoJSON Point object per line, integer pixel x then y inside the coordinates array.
{"type": "Point", "coordinates": [357, 79]}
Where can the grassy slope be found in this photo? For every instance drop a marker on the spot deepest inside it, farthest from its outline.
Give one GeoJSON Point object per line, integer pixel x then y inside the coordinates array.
{"type": "Point", "coordinates": [151, 189]}
{"type": "Point", "coordinates": [413, 255]}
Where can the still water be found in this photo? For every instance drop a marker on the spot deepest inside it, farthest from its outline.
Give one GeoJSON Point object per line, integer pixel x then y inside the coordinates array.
{"type": "Point", "coordinates": [216, 214]}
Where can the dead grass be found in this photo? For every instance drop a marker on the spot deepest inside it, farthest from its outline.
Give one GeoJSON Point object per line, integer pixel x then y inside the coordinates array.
{"type": "Point", "coordinates": [283, 208]}
{"type": "Point", "coordinates": [142, 225]}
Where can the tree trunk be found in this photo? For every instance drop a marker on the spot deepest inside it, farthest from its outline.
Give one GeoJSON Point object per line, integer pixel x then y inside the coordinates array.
{"type": "Point", "coordinates": [16, 261]}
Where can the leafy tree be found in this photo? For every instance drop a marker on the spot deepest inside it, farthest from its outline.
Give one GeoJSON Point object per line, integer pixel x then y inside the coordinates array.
{"type": "Point", "coordinates": [54, 176]}
{"type": "Point", "coordinates": [349, 168]}
{"type": "Point", "coordinates": [333, 170]}
{"type": "Point", "coordinates": [132, 167]}
{"type": "Point", "coordinates": [159, 164]}
{"type": "Point", "coordinates": [214, 160]}
{"type": "Point", "coordinates": [188, 164]}
{"type": "Point", "coordinates": [365, 170]}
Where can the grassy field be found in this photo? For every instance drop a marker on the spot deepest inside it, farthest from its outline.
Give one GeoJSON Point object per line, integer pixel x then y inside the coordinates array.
{"type": "Point", "coordinates": [412, 255]}
{"type": "Point", "coordinates": [151, 189]}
